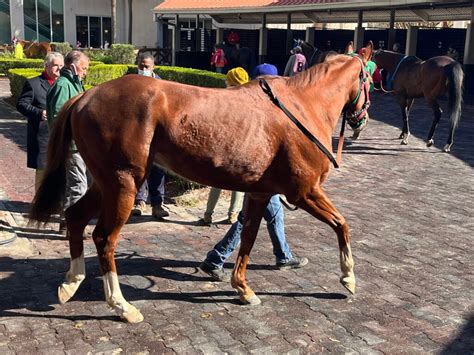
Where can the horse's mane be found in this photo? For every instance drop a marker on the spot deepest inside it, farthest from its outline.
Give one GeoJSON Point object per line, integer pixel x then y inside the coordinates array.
{"type": "Point", "coordinates": [311, 75]}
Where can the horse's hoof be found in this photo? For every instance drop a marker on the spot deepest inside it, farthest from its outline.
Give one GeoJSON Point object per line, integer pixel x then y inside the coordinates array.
{"type": "Point", "coordinates": [355, 136]}
{"type": "Point", "coordinates": [252, 300]}
{"type": "Point", "coordinates": [132, 315]}
{"type": "Point", "coordinates": [402, 136]}
{"type": "Point", "coordinates": [348, 283]}
{"type": "Point", "coordinates": [64, 293]}
{"type": "Point", "coordinates": [447, 148]}
{"type": "Point", "coordinates": [404, 142]}
{"type": "Point", "coordinates": [429, 143]}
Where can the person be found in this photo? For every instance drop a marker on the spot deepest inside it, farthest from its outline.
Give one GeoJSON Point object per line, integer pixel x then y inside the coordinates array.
{"type": "Point", "coordinates": [264, 69]}
{"type": "Point", "coordinates": [106, 44]}
{"type": "Point", "coordinates": [68, 85]}
{"type": "Point", "coordinates": [235, 77]}
{"type": "Point", "coordinates": [396, 47]}
{"type": "Point", "coordinates": [296, 63]}
{"type": "Point", "coordinates": [154, 186]}
{"type": "Point", "coordinates": [32, 105]}
{"type": "Point", "coordinates": [452, 52]}
{"type": "Point", "coordinates": [218, 59]}
{"type": "Point", "coordinates": [213, 264]}
{"type": "Point", "coordinates": [78, 44]}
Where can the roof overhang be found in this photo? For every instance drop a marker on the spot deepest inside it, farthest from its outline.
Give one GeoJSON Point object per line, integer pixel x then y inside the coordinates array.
{"type": "Point", "coordinates": [335, 12]}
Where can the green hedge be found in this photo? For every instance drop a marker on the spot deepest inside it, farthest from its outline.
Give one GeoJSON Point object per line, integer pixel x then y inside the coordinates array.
{"type": "Point", "coordinates": [8, 63]}
{"type": "Point", "coordinates": [187, 76]}
{"type": "Point", "coordinates": [105, 72]}
{"type": "Point", "coordinates": [100, 73]}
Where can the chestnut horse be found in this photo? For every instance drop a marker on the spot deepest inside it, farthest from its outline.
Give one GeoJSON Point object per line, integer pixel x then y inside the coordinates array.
{"type": "Point", "coordinates": [35, 49]}
{"type": "Point", "coordinates": [234, 139]}
{"type": "Point", "coordinates": [432, 78]}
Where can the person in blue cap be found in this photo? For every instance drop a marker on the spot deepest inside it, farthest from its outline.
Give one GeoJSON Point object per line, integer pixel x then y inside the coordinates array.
{"type": "Point", "coordinates": [215, 259]}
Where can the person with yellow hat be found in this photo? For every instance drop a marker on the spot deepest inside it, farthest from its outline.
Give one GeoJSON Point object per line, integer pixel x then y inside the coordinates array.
{"type": "Point", "coordinates": [273, 215]}
{"type": "Point", "coordinates": [235, 77]}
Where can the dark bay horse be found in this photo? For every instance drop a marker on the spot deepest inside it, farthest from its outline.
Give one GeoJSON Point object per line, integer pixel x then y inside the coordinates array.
{"type": "Point", "coordinates": [235, 139]}
{"type": "Point", "coordinates": [240, 57]}
{"type": "Point", "coordinates": [432, 78]}
{"type": "Point", "coordinates": [313, 54]}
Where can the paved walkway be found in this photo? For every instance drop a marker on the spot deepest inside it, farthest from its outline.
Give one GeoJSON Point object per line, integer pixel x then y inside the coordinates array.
{"type": "Point", "coordinates": [410, 210]}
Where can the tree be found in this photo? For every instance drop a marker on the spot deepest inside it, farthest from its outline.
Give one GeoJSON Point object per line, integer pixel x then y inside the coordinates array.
{"type": "Point", "coordinates": [114, 21]}
{"type": "Point", "coordinates": [130, 21]}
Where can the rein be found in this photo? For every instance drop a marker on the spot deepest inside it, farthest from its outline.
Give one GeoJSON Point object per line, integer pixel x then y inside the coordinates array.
{"type": "Point", "coordinates": [267, 90]}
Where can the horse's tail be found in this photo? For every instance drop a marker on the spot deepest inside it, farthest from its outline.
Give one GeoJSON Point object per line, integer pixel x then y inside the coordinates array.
{"type": "Point", "coordinates": [455, 88]}
{"type": "Point", "coordinates": [49, 197]}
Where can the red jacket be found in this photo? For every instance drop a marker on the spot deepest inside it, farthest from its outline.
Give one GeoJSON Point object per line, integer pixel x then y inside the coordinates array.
{"type": "Point", "coordinates": [218, 58]}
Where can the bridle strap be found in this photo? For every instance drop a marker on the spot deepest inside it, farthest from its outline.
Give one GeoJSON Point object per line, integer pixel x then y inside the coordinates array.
{"type": "Point", "coordinates": [267, 90]}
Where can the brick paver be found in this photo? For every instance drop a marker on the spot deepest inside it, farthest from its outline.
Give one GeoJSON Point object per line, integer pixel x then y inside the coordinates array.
{"type": "Point", "coordinates": [411, 215]}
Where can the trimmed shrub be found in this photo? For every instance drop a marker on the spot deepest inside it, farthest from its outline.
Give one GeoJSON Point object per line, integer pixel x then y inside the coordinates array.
{"type": "Point", "coordinates": [61, 47]}
{"type": "Point", "coordinates": [18, 77]}
{"type": "Point", "coordinates": [187, 76]}
{"type": "Point", "coordinates": [7, 63]}
{"type": "Point", "coordinates": [101, 73]}
{"type": "Point", "coordinates": [123, 53]}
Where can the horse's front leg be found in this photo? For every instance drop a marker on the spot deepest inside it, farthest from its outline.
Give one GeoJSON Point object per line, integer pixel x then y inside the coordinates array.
{"type": "Point", "coordinates": [437, 115]}
{"type": "Point", "coordinates": [405, 107]}
{"type": "Point", "coordinates": [254, 209]}
{"type": "Point", "coordinates": [318, 204]}
{"type": "Point", "coordinates": [117, 203]}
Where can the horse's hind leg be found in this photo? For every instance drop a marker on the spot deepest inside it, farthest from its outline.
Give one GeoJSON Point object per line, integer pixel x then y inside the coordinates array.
{"type": "Point", "coordinates": [77, 217]}
{"type": "Point", "coordinates": [405, 106]}
{"type": "Point", "coordinates": [437, 115]}
{"type": "Point", "coordinates": [318, 204]}
{"type": "Point", "coordinates": [117, 202]}
{"type": "Point", "coordinates": [253, 213]}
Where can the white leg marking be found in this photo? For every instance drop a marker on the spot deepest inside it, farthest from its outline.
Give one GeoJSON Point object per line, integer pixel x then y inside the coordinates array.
{"type": "Point", "coordinates": [347, 268]}
{"type": "Point", "coordinates": [115, 299]}
{"type": "Point", "coordinates": [74, 277]}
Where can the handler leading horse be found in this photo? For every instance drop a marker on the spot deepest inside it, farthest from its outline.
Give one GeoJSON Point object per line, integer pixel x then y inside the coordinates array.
{"type": "Point", "coordinates": [432, 78]}
{"type": "Point", "coordinates": [234, 139]}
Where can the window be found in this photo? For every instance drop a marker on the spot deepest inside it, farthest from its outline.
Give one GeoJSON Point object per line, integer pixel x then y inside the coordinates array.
{"type": "Point", "coordinates": [93, 31]}
{"type": "Point", "coordinates": [5, 34]}
{"type": "Point", "coordinates": [44, 20]}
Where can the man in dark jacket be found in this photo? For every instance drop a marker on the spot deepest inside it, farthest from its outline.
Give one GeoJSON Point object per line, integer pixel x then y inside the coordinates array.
{"type": "Point", "coordinates": [32, 105]}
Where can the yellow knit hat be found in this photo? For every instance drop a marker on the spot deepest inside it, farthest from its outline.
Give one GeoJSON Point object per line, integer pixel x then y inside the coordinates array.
{"type": "Point", "coordinates": [237, 76]}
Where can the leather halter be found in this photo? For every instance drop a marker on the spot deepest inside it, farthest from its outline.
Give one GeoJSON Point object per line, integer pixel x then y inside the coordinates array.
{"type": "Point", "coordinates": [355, 119]}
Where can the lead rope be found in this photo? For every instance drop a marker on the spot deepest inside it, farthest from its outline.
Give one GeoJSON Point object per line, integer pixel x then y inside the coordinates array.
{"type": "Point", "coordinates": [267, 90]}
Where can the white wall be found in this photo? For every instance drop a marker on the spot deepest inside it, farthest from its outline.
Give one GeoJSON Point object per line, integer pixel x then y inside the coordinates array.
{"type": "Point", "coordinates": [144, 28]}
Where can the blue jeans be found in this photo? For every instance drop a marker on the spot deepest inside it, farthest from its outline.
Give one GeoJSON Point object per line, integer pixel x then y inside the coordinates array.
{"type": "Point", "coordinates": [275, 226]}
{"type": "Point", "coordinates": [153, 187]}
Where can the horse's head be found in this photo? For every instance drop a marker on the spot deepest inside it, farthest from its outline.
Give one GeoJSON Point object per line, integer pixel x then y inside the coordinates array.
{"type": "Point", "coordinates": [386, 59]}
{"type": "Point", "coordinates": [355, 111]}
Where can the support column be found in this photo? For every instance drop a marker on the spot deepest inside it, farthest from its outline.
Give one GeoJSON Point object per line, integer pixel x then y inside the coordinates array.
{"type": "Point", "coordinates": [392, 32]}
{"type": "Point", "coordinates": [17, 22]}
{"type": "Point", "coordinates": [359, 32]}
{"type": "Point", "coordinates": [263, 39]}
{"type": "Point", "coordinates": [469, 60]}
{"type": "Point", "coordinates": [176, 40]}
{"type": "Point", "coordinates": [159, 33]}
{"type": "Point", "coordinates": [289, 34]}
{"type": "Point", "coordinates": [198, 35]}
{"type": "Point", "coordinates": [219, 35]}
{"type": "Point", "coordinates": [310, 35]}
{"type": "Point", "coordinates": [412, 40]}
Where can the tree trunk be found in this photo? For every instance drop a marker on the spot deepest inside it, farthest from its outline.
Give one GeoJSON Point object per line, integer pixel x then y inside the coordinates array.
{"type": "Point", "coordinates": [114, 21]}
{"type": "Point", "coordinates": [130, 21]}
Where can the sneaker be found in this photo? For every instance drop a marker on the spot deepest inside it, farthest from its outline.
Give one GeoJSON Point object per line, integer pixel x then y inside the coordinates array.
{"type": "Point", "coordinates": [217, 274]}
{"type": "Point", "coordinates": [232, 217]}
{"type": "Point", "coordinates": [139, 208]}
{"type": "Point", "coordinates": [159, 212]}
{"type": "Point", "coordinates": [294, 263]}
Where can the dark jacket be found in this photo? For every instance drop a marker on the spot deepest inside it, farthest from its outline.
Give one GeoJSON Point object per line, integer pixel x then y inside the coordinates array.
{"type": "Point", "coordinates": [31, 103]}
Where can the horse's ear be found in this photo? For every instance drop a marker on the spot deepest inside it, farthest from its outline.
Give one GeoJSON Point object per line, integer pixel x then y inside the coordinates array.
{"type": "Point", "coordinates": [349, 48]}
{"type": "Point", "coordinates": [366, 52]}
